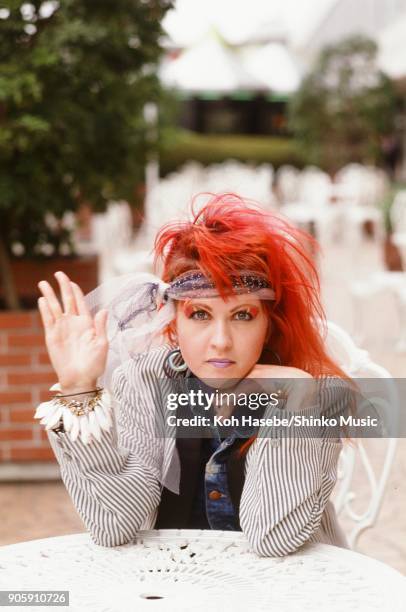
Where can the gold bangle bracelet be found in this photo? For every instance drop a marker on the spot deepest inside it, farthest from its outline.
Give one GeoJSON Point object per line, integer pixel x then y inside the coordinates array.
{"type": "Point", "coordinates": [80, 407]}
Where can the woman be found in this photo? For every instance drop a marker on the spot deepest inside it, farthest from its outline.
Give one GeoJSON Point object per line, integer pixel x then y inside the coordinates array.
{"type": "Point", "coordinates": [238, 301]}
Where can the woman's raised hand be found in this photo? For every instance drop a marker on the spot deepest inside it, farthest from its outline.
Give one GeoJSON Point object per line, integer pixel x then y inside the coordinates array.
{"type": "Point", "coordinates": [77, 343]}
{"type": "Point", "coordinates": [299, 386]}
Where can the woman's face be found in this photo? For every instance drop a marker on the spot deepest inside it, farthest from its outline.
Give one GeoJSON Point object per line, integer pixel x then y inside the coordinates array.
{"type": "Point", "coordinates": [219, 339]}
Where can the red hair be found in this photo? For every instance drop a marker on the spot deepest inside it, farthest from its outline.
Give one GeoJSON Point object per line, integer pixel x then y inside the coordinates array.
{"type": "Point", "coordinates": [230, 234]}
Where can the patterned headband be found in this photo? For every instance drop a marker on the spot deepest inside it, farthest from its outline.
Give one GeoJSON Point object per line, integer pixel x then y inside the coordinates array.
{"type": "Point", "coordinates": [194, 283]}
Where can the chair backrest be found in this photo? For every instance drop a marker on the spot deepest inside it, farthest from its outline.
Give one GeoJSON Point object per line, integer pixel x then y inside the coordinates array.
{"type": "Point", "coordinates": [365, 185]}
{"type": "Point", "coordinates": [398, 212]}
{"type": "Point", "coordinates": [357, 363]}
{"type": "Point", "coordinates": [315, 187]}
{"type": "Point", "coordinates": [287, 183]}
{"type": "Point", "coordinates": [254, 182]}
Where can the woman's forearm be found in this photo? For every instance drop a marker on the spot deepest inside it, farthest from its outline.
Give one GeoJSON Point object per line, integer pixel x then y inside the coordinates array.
{"type": "Point", "coordinates": [289, 481]}
{"type": "Point", "coordinates": [114, 494]}
{"type": "Point", "coordinates": [112, 488]}
{"type": "Point", "coordinates": [286, 494]}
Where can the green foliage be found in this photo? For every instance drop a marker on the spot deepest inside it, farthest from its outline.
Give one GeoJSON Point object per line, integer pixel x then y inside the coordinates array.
{"type": "Point", "coordinates": [207, 149]}
{"type": "Point", "coordinates": [344, 106]}
{"type": "Point", "coordinates": [74, 78]}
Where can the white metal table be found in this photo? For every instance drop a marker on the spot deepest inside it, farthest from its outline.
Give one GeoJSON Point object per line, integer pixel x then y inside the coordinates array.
{"type": "Point", "coordinates": [181, 570]}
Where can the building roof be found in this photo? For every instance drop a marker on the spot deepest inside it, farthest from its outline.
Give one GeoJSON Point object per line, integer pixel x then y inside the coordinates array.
{"type": "Point", "coordinates": [273, 66]}
{"type": "Point", "coordinates": [213, 66]}
{"type": "Point", "coordinates": [392, 49]}
{"type": "Point", "coordinates": [208, 66]}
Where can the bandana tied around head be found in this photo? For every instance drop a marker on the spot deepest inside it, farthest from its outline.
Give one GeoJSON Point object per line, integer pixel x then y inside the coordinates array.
{"type": "Point", "coordinates": [195, 284]}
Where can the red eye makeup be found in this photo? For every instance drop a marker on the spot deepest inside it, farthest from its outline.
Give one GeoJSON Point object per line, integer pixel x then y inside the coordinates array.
{"type": "Point", "coordinates": [253, 310]}
{"type": "Point", "coordinates": [188, 308]}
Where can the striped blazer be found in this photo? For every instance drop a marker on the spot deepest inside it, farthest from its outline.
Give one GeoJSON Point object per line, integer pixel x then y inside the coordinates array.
{"type": "Point", "coordinates": [287, 485]}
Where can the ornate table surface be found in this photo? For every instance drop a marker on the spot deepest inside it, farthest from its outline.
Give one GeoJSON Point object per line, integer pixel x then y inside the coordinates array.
{"type": "Point", "coordinates": [181, 570]}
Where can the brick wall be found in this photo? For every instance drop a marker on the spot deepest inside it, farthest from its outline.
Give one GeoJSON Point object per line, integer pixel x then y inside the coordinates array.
{"type": "Point", "coordinates": [25, 371]}
{"type": "Point", "coordinates": [25, 377]}
{"type": "Point", "coordinates": [28, 272]}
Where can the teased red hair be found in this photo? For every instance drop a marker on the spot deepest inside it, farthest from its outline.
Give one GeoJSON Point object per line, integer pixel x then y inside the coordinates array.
{"type": "Point", "coordinates": [230, 234]}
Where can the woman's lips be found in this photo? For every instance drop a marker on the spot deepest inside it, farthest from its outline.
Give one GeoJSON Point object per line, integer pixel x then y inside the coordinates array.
{"type": "Point", "coordinates": [221, 364]}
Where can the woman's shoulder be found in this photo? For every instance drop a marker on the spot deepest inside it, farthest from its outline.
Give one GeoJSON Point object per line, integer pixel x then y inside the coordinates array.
{"type": "Point", "coordinates": [333, 382]}
{"type": "Point", "coordinates": [335, 394]}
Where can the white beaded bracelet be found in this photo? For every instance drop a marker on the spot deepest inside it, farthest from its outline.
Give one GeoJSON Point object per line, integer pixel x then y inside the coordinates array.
{"type": "Point", "coordinates": [89, 423]}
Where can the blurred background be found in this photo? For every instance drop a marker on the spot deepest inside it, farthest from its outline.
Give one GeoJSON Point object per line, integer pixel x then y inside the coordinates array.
{"type": "Point", "coordinates": [114, 114]}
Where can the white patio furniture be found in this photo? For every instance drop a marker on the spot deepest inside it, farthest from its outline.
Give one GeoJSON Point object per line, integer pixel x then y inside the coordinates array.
{"type": "Point", "coordinates": [287, 183]}
{"type": "Point", "coordinates": [182, 570]}
{"type": "Point", "coordinates": [248, 181]}
{"type": "Point", "coordinates": [362, 291]}
{"type": "Point", "coordinates": [377, 386]}
{"type": "Point", "coordinates": [398, 212]}
{"type": "Point", "coordinates": [361, 192]}
{"type": "Point", "coordinates": [398, 221]}
{"type": "Point", "coordinates": [394, 283]}
{"type": "Point", "coordinates": [312, 209]}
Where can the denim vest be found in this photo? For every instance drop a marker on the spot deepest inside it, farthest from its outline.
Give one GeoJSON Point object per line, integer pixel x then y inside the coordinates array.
{"type": "Point", "coordinates": [213, 507]}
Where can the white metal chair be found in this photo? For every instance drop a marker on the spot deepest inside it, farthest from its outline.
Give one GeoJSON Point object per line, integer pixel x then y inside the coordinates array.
{"type": "Point", "coordinates": [363, 189]}
{"type": "Point", "coordinates": [398, 212]}
{"type": "Point", "coordinates": [287, 183]}
{"type": "Point", "coordinates": [398, 220]}
{"type": "Point", "coordinates": [312, 208]}
{"type": "Point", "coordinates": [357, 363]}
{"type": "Point", "coordinates": [243, 179]}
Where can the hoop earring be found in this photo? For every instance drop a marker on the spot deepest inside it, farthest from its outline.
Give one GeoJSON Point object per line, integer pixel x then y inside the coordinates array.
{"type": "Point", "coordinates": [176, 368]}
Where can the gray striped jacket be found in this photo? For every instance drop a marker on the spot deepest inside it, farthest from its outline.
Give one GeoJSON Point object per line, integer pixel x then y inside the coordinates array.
{"type": "Point", "coordinates": [285, 498]}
